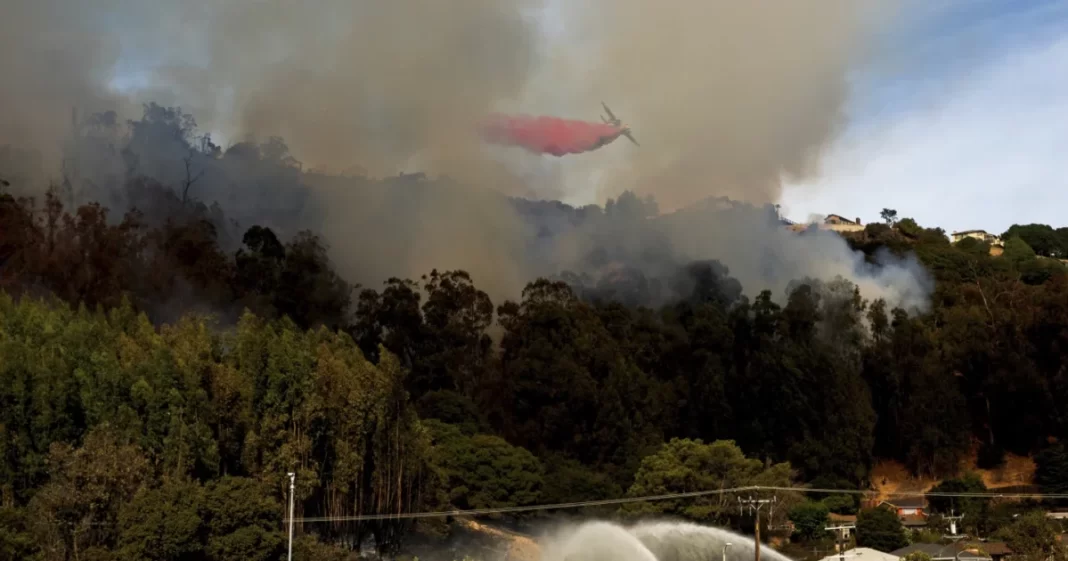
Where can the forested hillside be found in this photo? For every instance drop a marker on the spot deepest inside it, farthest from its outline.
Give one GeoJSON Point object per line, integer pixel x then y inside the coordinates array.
{"type": "Point", "coordinates": [159, 377]}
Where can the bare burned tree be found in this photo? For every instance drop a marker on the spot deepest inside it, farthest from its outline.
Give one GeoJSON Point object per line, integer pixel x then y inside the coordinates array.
{"type": "Point", "coordinates": [190, 179]}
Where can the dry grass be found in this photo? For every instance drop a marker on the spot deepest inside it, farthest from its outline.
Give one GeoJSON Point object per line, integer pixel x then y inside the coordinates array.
{"type": "Point", "coordinates": [891, 477]}
{"type": "Point", "coordinates": [1017, 470]}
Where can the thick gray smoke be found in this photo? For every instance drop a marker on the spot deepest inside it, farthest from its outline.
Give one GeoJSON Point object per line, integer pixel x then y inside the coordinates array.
{"type": "Point", "coordinates": [726, 97]}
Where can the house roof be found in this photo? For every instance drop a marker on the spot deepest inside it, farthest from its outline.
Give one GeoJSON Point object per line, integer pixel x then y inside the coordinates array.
{"type": "Point", "coordinates": [965, 232]}
{"type": "Point", "coordinates": [913, 520]}
{"type": "Point", "coordinates": [914, 501]}
{"type": "Point", "coordinates": [932, 549]}
{"type": "Point", "coordinates": [840, 217]}
{"type": "Point", "coordinates": [842, 517]}
{"type": "Point", "coordinates": [862, 554]}
{"type": "Point", "coordinates": [996, 548]}
{"type": "Point", "coordinates": [940, 552]}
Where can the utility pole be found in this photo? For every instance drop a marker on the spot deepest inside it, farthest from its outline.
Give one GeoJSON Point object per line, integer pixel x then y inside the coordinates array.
{"type": "Point", "coordinates": [754, 506]}
{"type": "Point", "coordinates": [292, 487]}
{"type": "Point", "coordinates": [839, 537]}
{"type": "Point", "coordinates": [953, 520]}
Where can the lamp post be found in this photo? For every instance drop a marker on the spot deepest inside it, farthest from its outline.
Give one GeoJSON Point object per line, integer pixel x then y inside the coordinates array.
{"type": "Point", "coordinates": [292, 486]}
{"type": "Point", "coordinates": [725, 546]}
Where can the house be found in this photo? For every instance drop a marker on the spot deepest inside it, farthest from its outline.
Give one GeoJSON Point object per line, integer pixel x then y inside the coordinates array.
{"type": "Point", "coordinates": [861, 554]}
{"type": "Point", "coordinates": [839, 223]}
{"type": "Point", "coordinates": [907, 506]}
{"type": "Point", "coordinates": [958, 551]}
{"type": "Point", "coordinates": [981, 235]}
{"type": "Point", "coordinates": [833, 222]}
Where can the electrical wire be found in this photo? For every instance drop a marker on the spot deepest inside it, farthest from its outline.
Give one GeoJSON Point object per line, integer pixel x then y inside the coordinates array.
{"type": "Point", "coordinates": [670, 496]}
{"type": "Point", "coordinates": [528, 508]}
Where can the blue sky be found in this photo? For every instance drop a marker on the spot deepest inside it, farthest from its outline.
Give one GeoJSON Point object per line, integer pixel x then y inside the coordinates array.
{"type": "Point", "coordinates": [960, 120]}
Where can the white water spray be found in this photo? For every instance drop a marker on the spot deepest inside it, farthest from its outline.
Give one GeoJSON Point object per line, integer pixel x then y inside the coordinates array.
{"type": "Point", "coordinates": [650, 541]}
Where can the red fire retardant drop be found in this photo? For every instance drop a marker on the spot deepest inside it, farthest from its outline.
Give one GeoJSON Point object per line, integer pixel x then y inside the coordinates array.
{"type": "Point", "coordinates": [548, 135]}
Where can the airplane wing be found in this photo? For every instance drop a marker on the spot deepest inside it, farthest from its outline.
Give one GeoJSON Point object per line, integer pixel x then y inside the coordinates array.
{"type": "Point", "coordinates": [631, 138]}
{"type": "Point", "coordinates": [610, 114]}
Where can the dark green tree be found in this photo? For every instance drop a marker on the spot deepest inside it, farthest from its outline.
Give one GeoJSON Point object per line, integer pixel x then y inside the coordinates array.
{"type": "Point", "coordinates": [973, 509]}
{"type": "Point", "coordinates": [879, 528]}
{"type": "Point", "coordinates": [1033, 537]}
{"type": "Point", "coordinates": [888, 215]}
{"type": "Point", "coordinates": [810, 520]}
{"type": "Point", "coordinates": [1051, 469]}
{"type": "Point", "coordinates": [483, 471]}
{"type": "Point", "coordinates": [684, 465]}
{"type": "Point", "coordinates": [163, 524]}
{"type": "Point", "coordinates": [1042, 238]}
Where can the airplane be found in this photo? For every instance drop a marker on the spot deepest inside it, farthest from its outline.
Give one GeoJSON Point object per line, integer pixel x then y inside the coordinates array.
{"type": "Point", "coordinates": [615, 122]}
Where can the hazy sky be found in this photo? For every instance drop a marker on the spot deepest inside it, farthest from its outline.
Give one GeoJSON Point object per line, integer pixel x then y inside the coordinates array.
{"type": "Point", "coordinates": [961, 122]}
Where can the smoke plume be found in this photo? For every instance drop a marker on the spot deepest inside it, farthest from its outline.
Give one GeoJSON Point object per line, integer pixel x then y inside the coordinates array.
{"type": "Point", "coordinates": [727, 98]}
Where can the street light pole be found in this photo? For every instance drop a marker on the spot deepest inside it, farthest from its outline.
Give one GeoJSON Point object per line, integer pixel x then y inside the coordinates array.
{"type": "Point", "coordinates": [292, 486]}
{"type": "Point", "coordinates": [725, 546]}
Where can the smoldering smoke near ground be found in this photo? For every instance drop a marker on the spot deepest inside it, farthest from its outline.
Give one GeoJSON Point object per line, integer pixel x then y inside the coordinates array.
{"type": "Point", "coordinates": [726, 97]}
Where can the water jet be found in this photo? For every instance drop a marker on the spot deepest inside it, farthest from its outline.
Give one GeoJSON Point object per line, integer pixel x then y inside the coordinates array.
{"type": "Point", "coordinates": [649, 541]}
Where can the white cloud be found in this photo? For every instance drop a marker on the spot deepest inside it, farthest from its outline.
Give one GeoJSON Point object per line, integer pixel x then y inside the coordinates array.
{"type": "Point", "coordinates": [991, 151]}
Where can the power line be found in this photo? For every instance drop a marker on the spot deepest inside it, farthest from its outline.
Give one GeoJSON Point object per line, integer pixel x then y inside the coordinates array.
{"type": "Point", "coordinates": [963, 494]}
{"type": "Point", "coordinates": [652, 498]}
{"type": "Point", "coordinates": [528, 508]}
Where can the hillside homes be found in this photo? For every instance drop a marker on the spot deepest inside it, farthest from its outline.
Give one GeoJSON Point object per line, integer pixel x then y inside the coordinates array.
{"type": "Point", "coordinates": [981, 235]}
